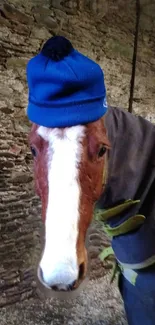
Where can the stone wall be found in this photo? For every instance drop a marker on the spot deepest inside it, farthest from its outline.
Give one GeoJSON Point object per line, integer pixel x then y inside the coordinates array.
{"type": "Point", "coordinates": [104, 30]}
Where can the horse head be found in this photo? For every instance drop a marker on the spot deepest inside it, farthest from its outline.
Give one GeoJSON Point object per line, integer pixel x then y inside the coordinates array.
{"type": "Point", "coordinates": [69, 164]}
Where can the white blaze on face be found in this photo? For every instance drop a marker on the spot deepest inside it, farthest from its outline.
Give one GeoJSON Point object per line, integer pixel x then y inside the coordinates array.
{"type": "Point", "coordinates": [59, 263]}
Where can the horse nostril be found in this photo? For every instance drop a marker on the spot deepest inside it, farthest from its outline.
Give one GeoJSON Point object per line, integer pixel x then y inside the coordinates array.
{"type": "Point", "coordinates": [81, 271]}
{"type": "Point", "coordinates": [71, 286]}
{"type": "Point", "coordinates": [55, 288]}
{"type": "Point", "coordinates": [62, 287]}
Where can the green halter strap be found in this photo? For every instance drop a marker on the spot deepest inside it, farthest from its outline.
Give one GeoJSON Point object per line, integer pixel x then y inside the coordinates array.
{"type": "Point", "coordinates": [133, 223]}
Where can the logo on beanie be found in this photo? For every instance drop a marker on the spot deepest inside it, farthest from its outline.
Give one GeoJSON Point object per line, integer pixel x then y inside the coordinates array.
{"type": "Point", "coordinates": [105, 104]}
{"type": "Point", "coordinates": [66, 88]}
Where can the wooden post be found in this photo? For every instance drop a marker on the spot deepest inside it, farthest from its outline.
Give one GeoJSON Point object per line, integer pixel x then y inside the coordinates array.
{"type": "Point", "coordinates": [134, 58]}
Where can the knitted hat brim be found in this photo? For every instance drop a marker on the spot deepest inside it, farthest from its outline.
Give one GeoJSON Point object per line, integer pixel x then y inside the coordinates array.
{"type": "Point", "coordinates": [57, 117]}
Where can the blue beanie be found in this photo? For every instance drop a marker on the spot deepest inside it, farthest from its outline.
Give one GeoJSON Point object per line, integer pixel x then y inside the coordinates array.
{"type": "Point", "coordinates": [65, 87]}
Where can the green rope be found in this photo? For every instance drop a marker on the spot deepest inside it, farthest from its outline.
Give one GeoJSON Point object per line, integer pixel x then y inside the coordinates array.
{"type": "Point", "coordinates": [115, 266]}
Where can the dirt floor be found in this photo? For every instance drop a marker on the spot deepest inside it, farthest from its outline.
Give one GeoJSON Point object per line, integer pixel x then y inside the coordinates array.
{"type": "Point", "coordinates": [98, 304]}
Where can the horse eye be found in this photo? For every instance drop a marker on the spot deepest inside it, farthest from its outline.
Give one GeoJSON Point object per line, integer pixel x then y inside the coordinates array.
{"type": "Point", "coordinates": [34, 152]}
{"type": "Point", "coordinates": [102, 151]}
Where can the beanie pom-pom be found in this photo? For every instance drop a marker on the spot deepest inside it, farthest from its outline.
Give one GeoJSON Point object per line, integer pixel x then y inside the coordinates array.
{"type": "Point", "coordinates": [56, 48]}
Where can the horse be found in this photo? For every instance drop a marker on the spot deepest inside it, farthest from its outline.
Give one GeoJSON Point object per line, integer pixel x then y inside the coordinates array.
{"type": "Point", "coordinates": [70, 166]}
{"type": "Point", "coordinates": [88, 155]}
